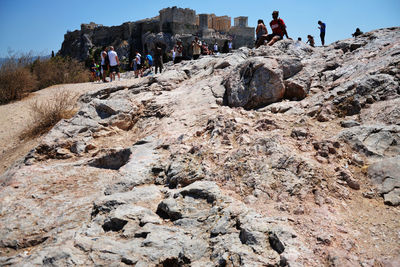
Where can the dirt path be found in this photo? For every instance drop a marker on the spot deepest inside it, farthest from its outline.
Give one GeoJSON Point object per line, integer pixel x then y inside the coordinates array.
{"type": "Point", "coordinates": [15, 117]}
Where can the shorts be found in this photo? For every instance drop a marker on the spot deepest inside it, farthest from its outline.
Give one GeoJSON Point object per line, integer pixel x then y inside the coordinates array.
{"type": "Point", "coordinates": [137, 66]}
{"type": "Point", "coordinates": [114, 69]}
{"type": "Point", "coordinates": [272, 35]}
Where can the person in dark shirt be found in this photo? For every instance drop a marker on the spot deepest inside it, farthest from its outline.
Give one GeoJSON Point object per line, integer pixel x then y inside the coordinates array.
{"type": "Point", "coordinates": [278, 29]}
{"type": "Point", "coordinates": [357, 32]}
{"type": "Point", "coordinates": [322, 27]}
{"type": "Point", "coordinates": [158, 56]}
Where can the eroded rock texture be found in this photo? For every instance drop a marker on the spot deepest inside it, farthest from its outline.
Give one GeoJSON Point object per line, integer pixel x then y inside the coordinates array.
{"type": "Point", "coordinates": [280, 156]}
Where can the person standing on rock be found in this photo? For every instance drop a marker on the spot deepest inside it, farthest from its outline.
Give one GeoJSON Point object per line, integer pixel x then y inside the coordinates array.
{"type": "Point", "coordinates": [322, 27]}
{"type": "Point", "coordinates": [104, 65]}
{"type": "Point", "coordinates": [196, 46]}
{"type": "Point", "coordinates": [215, 48]}
{"type": "Point", "coordinates": [230, 45]}
{"type": "Point", "coordinates": [278, 29]}
{"type": "Point", "coordinates": [261, 33]}
{"type": "Point", "coordinates": [114, 64]}
{"type": "Point", "coordinates": [225, 47]}
{"type": "Point", "coordinates": [158, 57]}
{"type": "Point", "coordinates": [178, 52]}
{"type": "Point", "coordinates": [137, 65]}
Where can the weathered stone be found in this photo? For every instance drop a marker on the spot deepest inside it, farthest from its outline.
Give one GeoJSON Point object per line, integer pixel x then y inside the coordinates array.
{"type": "Point", "coordinates": [386, 175]}
{"type": "Point", "coordinates": [348, 124]}
{"type": "Point", "coordinates": [255, 83]}
{"type": "Point", "coordinates": [294, 169]}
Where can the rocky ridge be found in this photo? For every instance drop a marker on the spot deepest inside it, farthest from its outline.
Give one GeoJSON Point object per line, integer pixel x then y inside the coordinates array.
{"type": "Point", "coordinates": [278, 156]}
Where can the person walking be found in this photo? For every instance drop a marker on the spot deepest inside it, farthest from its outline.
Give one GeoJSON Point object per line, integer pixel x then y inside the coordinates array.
{"type": "Point", "coordinates": [261, 33]}
{"type": "Point", "coordinates": [278, 29]}
{"type": "Point", "coordinates": [104, 63]}
{"type": "Point", "coordinates": [322, 27]}
{"type": "Point", "coordinates": [114, 64]}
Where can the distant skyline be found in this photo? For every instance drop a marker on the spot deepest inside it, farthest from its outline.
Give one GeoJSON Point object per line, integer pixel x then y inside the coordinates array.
{"type": "Point", "coordinates": [38, 26]}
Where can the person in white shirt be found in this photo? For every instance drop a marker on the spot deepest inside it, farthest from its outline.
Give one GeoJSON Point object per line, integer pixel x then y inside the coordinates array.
{"type": "Point", "coordinates": [114, 64]}
{"type": "Point", "coordinates": [215, 48]}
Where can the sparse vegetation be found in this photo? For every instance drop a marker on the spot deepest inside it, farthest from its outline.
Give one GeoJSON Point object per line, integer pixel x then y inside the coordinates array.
{"type": "Point", "coordinates": [16, 79]}
{"type": "Point", "coordinates": [45, 114]}
{"type": "Point", "coordinates": [21, 75]}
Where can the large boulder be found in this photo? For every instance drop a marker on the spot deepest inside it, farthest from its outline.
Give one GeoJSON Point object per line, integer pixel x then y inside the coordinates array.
{"type": "Point", "coordinates": [255, 83]}
{"type": "Point", "coordinates": [386, 175]}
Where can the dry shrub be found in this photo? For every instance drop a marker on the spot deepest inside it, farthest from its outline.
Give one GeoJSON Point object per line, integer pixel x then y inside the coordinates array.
{"type": "Point", "coordinates": [45, 114]}
{"type": "Point", "coordinates": [16, 79]}
{"type": "Point", "coordinates": [59, 70]}
{"type": "Point", "coordinates": [21, 75]}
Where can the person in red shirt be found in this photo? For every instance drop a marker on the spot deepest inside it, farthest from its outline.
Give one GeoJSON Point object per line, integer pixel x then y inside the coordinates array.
{"type": "Point", "coordinates": [278, 29]}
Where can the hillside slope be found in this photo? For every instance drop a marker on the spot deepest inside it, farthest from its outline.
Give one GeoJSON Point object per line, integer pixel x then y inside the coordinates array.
{"type": "Point", "coordinates": [278, 156]}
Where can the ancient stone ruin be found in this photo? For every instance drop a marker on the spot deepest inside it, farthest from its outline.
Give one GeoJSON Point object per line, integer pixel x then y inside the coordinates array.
{"type": "Point", "coordinates": [170, 25]}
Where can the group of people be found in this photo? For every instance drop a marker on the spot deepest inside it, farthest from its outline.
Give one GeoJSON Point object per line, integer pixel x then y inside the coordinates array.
{"type": "Point", "coordinates": [278, 28]}
{"type": "Point", "coordinates": [199, 48]}
{"type": "Point", "coordinates": [279, 31]}
{"type": "Point", "coordinates": [110, 61]}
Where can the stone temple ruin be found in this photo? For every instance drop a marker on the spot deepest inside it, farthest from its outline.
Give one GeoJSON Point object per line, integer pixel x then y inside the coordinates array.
{"type": "Point", "coordinates": [170, 25]}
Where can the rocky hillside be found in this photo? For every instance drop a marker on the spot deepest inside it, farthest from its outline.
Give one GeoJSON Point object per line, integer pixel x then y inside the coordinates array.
{"type": "Point", "coordinates": [278, 156]}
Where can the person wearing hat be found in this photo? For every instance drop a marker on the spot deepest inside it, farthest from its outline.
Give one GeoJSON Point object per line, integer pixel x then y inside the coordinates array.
{"type": "Point", "coordinates": [278, 29]}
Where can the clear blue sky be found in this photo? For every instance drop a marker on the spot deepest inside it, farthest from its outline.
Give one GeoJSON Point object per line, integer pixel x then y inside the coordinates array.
{"type": "Point", "coordinates": [39, 25]}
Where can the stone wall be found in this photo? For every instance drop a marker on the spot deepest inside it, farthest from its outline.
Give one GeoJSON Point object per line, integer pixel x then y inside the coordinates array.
{"type": "Point", "coordinates": [178, 15]}
{"type": "Point", "coordinates": [175, 20]}
{"type": "Point", "coordinates": [172, 23]}
{"type": "Point", "coordinates": [242, 36]}
{"type": "Point", "coordinates": [222, 23]}
{"type": "Point", "coordinates": [241, 22]}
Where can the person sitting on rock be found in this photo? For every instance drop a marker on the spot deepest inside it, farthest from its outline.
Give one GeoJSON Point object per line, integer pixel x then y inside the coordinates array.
{"type": "Point", "coordinates": [278, 29]}
{"type": "Point", "coordinates": [357, 32]}
{"type": "Point", "coordinates": [261, 33]}
{"type": "Point", "coordinates": [310, 40]}
{"type": "Point", "coordinates": [204, 49]}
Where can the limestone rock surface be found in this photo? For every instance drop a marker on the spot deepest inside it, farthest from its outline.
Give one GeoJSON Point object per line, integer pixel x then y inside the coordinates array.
{"type": "Point", "coordinates": [278, 156]}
